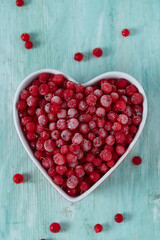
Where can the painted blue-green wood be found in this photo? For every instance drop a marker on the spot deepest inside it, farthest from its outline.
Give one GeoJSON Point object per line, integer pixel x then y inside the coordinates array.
{"type": "Point", "coordinates": [58, 29]}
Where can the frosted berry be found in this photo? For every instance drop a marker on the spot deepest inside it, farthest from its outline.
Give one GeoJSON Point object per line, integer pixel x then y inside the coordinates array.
{"type": "Point", "coordinates": [47, 162]}
{"type": "Point", "coordinates": [137, 160]}
{"type": "Point", "coordinates": [125, 32]}
{"type": "Point", "coordinates": [106, 100]}
{"type": "Point", "coordinates": [28, 45]}
{"type": "Point", "coordinates": [97, 52]}
{"type": "Point", "coordinates": [120, 106]}
{"type": "Point", "coordinates": [55, 227]}
{"type": "Point", "coordinates": [91, 100]}
{"type": "Point", "coordinates": [137, 98]}
{"type": "Point", "coordinates": [106, 88]}
{"type": "Point", "coordinates": [72, 182]}
{"type": "Point", "coordinates": [49, 145]}
{"type": "Point", "coordinates": [59, 159]}
{"type": "Point", "coordinates": [78, 56]}
{"type": "Point", "coordinates": [106, 155]}
{"type": "Point", "coordinates": [73, 123]}
{"type": "Point", "coordinates": [119, 218]}
{"type": "Point", "coordinates": [18, 178]}
{"type": "Point", "coordinates": [98, 228]}
{"type": "Point", "coordinates": [120, 150]}
{"type": "Point", "coordinates": [58, 79]}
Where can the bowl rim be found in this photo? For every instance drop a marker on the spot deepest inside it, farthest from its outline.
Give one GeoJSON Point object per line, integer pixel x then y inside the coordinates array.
{"type": "Point", "coordinates": [107, 75]}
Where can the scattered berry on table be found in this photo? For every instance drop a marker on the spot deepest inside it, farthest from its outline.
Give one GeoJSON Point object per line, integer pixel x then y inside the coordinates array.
{"type": "Point", "coordinates": [125, 32]}
{"type": "Point", "coordinates": [137, 160]}
{"type": "Point", "coordinates": [98, 228]}
{"type": "Point", "coordinates": [79, 133]}
{"type": "Point", "coordinates": [18, 178]}
{"type": "Point", "coordinates": [20, 3]}
{"type": "Point", "coordinates": [78, 56]}
{"type": "Point", "coordinates": [119, 218]}
{"type": "Point", "coordinates": [25, 37]}
{"type": "Point", "coordinates": [97, 52]}
{"type": "Point", "coordinates": [55, 227]}
{"type": "Point", "coordinates": [28, 45]}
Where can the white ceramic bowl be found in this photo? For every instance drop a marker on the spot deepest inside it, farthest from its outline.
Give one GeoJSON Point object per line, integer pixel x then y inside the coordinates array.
{"type": "Point", "coordinates": [26, 82]}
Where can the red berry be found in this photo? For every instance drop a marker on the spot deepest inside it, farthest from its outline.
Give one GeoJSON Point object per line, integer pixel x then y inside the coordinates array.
{"type": "Point", "coordinates": [131, 89]}
{"type": "Point", "coordinates": [104, 168]}
{"type": "Point", "coordinates": [84, 186]}
{"type": "Point", "coordinates": [55, 227]}
{"type": "Point", "coordinates": [137, 98]}
{"type": "Point", "coordinates": [137, 160]}
{"type": "Point", "coordinates": [42, 120]}
{"type": "Point", "coordinates": [79, 88]}
{"type": "Point", "coordinates": [120, 150]}
{"type": "Point", "coordinates": [20, 3]}
{"type": "Point", "coordinates": [55, 108]}
{"type": "Point", "coordinates": [106, 88]}
{"type": "Point", "coordinates": [24, 94]}
{"type": "Point", "coordinates": [59, 159]}
{"type": "Point", "coordinates": [18, 178]}
{"type": "Point", "coordinates": [25, 37]}
{"type": "Point", "coordinates": [48, 162]}
{"type": "Point", "coordinates": [73, 123]}
{"type": "Point", "coordinates": [98, 228]}
{"type": "Point", "coordinates": [125, 32]}
{"type": "Point", "coordinates": [97, 52]}
{"type": "Point", "coordinates": [79, 171]}
{"type": "Point", "coordinates": [106, 100]}
{"type": "Point", "coordinates": [28, 45]}
{"type": "Point", "coordinates": [71, 157]}
{"type": "Point", "coordinates": [88, 90]}
{"type": "Point", "coordinates": [49, 145]}
{"type": "Point", "coordinates": [94, 176]}
{"type": "Point", "coordinates": [106, 155]}
{"type": "Point", "coordinates": [31, 127]}
{"type": "Point", "coordinates": [61, 170]}
{"type": "Point", "coordinates": [110, 140]}
{"type": "Point", "coordinates": [58, 79]}
{"type": "Point", "coordinates": [32, 101]}
{"type": "Point", "coordinates": [71, 191]}
{"type": "Point", "coordinates": [78, 56]}
{"type": "Point", "coordinates": [58, 180]}
{"type": "Point", "coordinates": [91, 100]}
{"type": "Point", "coordinates": [119, 218]}
{"type": "Point", "coordinates": [72, 182]}
{"type": "Point", "coordinates": [21, 105]}
{"type": "Point", "coordinates": [120, 106]}
{"type": "Point", "coordinates": [52, 172]}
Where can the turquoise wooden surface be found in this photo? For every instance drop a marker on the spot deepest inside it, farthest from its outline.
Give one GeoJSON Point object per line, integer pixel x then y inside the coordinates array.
{"type": "Point", "coordinates": [58, 29]}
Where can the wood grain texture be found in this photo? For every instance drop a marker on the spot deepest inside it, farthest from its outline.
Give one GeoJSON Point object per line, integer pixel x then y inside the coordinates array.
{"type": "Point", "coordinates": [58, 29]}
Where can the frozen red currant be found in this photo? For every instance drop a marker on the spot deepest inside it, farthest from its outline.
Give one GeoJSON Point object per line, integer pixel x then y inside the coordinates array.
{"type": "Point", "coordinates": [119, 218]}
{"type": "Point", "coordinates": [78, 56]}
{"type": "Point", "coordinates": [18, 178]}
{"type": "Point", "coordinates": [20, 3]}
{"type": "Point", "coordinates": [137, 160]}
{"type": "Point", "coordinates": [55, 227]}
{"type": "Point", "coordinates": [98, 228]}
{"type": "Point", "coordinates": [25, 37]}
{"type": "Point", "coordinates": [97, 52]}
{"type": "Point", "coordinates": [125, 32]}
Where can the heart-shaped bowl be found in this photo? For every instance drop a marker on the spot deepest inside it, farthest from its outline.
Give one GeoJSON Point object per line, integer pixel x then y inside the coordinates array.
{"type": "Point", "coordinates": [26, 82]}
